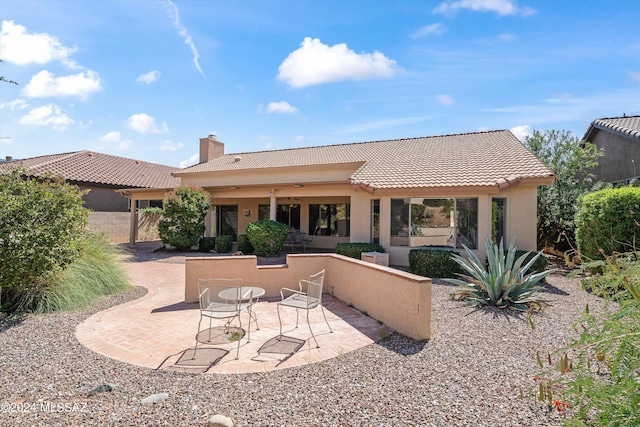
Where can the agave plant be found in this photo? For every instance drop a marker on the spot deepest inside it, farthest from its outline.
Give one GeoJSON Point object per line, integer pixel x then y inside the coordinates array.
{"type": "Point", "coordinates": [504, 284]}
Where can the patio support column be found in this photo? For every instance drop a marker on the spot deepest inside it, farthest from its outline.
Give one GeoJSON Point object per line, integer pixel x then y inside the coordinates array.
{"type": "Point", "coordinates": [133, 222]}
{"type": "Point", "coordinates": [273, 205]}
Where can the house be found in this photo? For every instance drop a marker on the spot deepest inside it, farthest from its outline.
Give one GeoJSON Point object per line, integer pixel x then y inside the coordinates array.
{"type": "Point", "coordinates": [438, 191]}
{"type": "Point", "coordinates": [619, 137]}
{"type": "Point", "coordinates": [102, 174]}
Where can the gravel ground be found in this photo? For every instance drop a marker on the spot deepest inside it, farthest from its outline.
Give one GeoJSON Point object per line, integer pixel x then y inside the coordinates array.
{"type": "Point", "coordinates": [471, 373]}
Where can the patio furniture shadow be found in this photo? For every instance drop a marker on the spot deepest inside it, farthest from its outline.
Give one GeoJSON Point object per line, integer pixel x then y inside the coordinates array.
{"type": "Point", "coordinates": [179, 306]}
{"type": "Point", "coordinates": [280, 344]}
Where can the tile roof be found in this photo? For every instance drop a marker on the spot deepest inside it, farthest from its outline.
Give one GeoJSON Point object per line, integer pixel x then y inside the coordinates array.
{"type": "Point", "coordinates": [472, 159]}
{"type": "Point", "coordinates": [627, 126]}
{"type": "Point", "coordinates": [91, 167]}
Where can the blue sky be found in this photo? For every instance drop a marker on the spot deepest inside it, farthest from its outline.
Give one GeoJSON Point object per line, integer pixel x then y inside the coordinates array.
{"type": "Point", "coordinates": [146, 79]}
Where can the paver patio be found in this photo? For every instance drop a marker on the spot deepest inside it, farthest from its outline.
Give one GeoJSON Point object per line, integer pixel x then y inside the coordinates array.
{"type": "Point", "coordinates": [155, 330]}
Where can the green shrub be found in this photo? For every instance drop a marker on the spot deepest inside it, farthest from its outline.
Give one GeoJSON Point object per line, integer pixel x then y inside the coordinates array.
{"type": "Point", "coordinates": [182, 224]}
{"type": "Point", "coordinates": [505, 284]}
{"type": "Point", "coordinates": [355, 250]}
{"type": "Point", "coordinates": [267, 236]}
{"type": "Point", "coordinates": [608, 220]}
{"type": "Point", "coordinates": [97, 272]}
{"type": "Point", "coordinates": [601, 385]}
{"type": "Point", "coordinates": [611, 277]}
{"type": "Point", "coordinates": [42, 229]}
{"type": "Point", "coordinates": [433, 263]}
{"type": "Point", "coordinates": [224, 244]}
{"type": "Point", "coordinates": [244, 245]}
{"type": "Point", "coordinates": [206, 244]}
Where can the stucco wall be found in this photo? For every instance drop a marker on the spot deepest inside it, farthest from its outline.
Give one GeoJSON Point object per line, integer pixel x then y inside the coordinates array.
{"type": "Point", "coordinates": [617, 164]}
{"type": "Point", "coordinates": [400, 300]}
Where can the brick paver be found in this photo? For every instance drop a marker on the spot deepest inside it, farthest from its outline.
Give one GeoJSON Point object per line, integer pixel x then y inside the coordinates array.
{"type": "Point", "coordinates": [155, 330]}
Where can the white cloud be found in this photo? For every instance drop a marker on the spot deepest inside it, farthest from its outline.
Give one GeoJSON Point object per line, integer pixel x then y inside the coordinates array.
{"type": "Point", "coordinates": [171, 146]}
{"type": "Point", "coordinates": [149, 77]}
{"type": "Point", "coordinates": [184, 33]}
{"type": "Point", "coordinates": [113, 136]}
{"type": "Point", "coordinates": [436, 29]}
{"type": "Point", "coordinates": [501, 7]}
{"type": "Point", "coordinates": [521, 131]}
{"type": "Point", "coordinates": [16, 104]}
{"type": "Point", "coordinates": [47, 115]}
{"type": "Point", "coordinates": [80, 85]}
{"type": "Point", "coordinates": [21, 48]}
{"type": "Point", "coordinates": [144, 123]}
{"type": "Point", "coordinates": [382, 124]}
{"type": "Point", "coordinates": [190, 161]}
{"type": "Point", "coordinates": [298, 138]}
{"type": "Point", "coordinates": [123, 145]}
{"type": "Point", "coordinates": [446, 100]}
{"type": "Point", "coordinates": [316, 63]}
{"type": "Point", "coordinates": [635, 76]}
{"type": "Point", "coordinates": [281, 107]}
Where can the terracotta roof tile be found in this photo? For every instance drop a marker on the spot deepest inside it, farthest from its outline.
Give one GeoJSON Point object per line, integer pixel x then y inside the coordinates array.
{"type": "Point", "coordinates": [98, 168]}
{"type": "Point", "coordinates": [628, 126]}
{"type": "Point", "coordinates": [472, 159]}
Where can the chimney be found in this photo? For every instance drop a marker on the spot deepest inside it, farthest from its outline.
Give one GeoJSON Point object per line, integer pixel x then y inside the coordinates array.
{"type": "Point", "coordinates": [9, 158]}
{"type": "Point", "coordinates": [210, 148]}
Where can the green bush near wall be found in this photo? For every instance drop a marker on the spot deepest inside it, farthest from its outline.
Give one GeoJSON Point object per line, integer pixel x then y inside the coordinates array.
{"type": "Point", "coordinates": [244, 245]}
{"type": "Point", "coordinates": [355, 250]}
{"type": "Point", "coordinates": [224, 244]}
{"type": "Point", "coordinates": [206, 244]}
{"type": "Point", "coordinates": [436, 263]}
{"type": "Point", "coordinates": [608, 220]}
{"type": "Point", "coordinates": [267, 236]}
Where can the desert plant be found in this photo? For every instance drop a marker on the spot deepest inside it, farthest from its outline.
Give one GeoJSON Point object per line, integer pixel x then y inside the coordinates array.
{"type": "Point", "coordinates": [600, 384]}
{"type": "Point", "coordinates": [267, 236]}
{"type": "Point", "coordinates": [433, 263]}
{"type": "Point", "coordinates": [609, 220]}
{"type": "Point", "coordinates": [355, 250]}
{"type": "Point", "coordinates": [504, 284]}
{"type": "Point", "coordinates": [244, 245]}
{"type": "Point", "coordinates": [182, 224]}
{"type": "Point", "coordinates": [610, 277]}
{"type": "Point", "coordinates": [97, 272]}
{"type": "Point", "coordinates": [42, 228]}
{"type": "Point", "coordinates": [224, 244]}
{"type": "Point", "coordinates": [206, 244]}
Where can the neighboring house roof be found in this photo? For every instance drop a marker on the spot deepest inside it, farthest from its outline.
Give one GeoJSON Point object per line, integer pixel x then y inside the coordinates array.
{"type": "Point", "coordinates": [626, 126]}
{"type": "Point", "coordinates": [103, 169]}
{"type": "Point", "coordinates": [472, 159]}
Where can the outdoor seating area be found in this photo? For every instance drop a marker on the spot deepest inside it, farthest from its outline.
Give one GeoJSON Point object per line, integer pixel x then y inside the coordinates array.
{"type": "Point", "coordinates": [232, 328]}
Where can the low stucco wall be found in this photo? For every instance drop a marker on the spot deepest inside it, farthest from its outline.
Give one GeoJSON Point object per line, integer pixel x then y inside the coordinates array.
{"type": "Point", "coordinates": [400, 300]}
{"type": "Point", "coordinates": [114, 225]}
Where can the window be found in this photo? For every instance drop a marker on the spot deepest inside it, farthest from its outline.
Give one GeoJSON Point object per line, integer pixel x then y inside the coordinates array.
{"type": "Point", "coordinates": [498, 217]}
{"type": "Point", "coordinates": [286, 214]}
{"type": "Point", "coordinates": [434, 222]}
{"type": "Point", "coordinates": [226, 220]}
{"type": "Point", "coordinates": [375, 221]}
{"type": "Point", "coordinates": [330, 220]}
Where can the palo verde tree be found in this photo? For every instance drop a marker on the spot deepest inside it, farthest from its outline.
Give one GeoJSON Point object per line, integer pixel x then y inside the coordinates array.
{"type": "Point", "coordinates": [182, 224]}
{"type": "Point", "coordinates": [572, 160]}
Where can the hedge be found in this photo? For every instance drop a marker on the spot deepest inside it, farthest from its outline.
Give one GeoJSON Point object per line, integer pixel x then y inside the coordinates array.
{"type": "Point", "coordinates": [608, 220]}
{"type": "Point", "coordinates": [355, 250]}
{"type": "Point", "coordinates": [433, 263]}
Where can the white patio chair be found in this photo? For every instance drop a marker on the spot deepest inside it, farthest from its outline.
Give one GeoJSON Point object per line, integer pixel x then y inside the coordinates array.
{"type": "Point", "coordinates": [227, 306]}
{"type": "Point", "coordinates": [301, 300]}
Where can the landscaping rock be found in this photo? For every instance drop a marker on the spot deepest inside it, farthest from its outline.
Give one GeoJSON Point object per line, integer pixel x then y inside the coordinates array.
{"type": "Point", "coordinates": [220, 421]}
{"type": "Point", "coordinates": [101, 389]}
{"type": "Point", "coordinates": [155, 398]}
